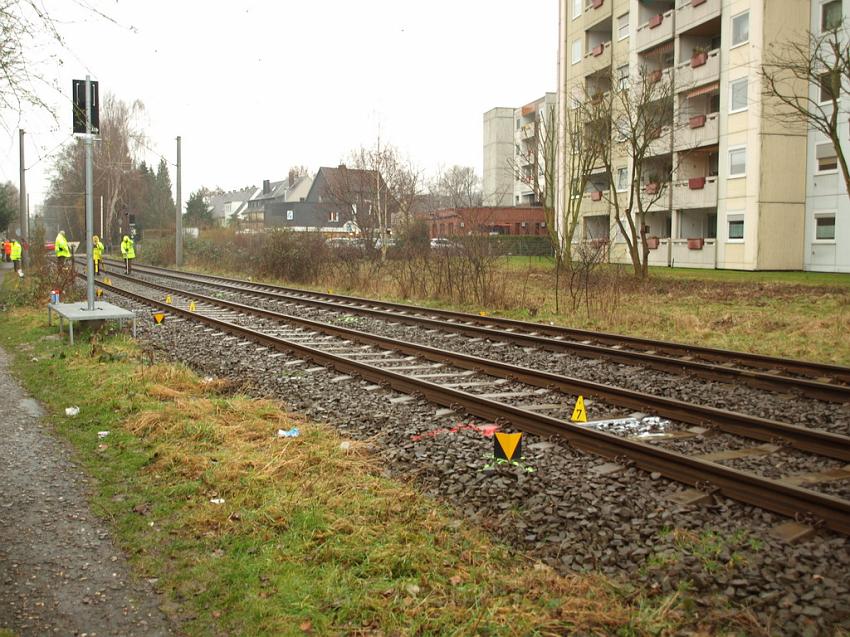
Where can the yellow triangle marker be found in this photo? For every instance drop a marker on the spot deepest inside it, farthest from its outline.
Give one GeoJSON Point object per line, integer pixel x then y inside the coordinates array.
{"type": "Point", "coordinates": [482, 314]}
{"type": "Point", "coordinates": [192, 306]}
{"type": "Point", "coordinates": [99, 292]}
{"type": "Point", "coordinates": [159, 317]}
{"type": "Point", "coordinates": [330, 291]}
{"type": "Point", "coordinates": [507, 445]}
{"type": "Point", "coordinates": [168, 299]}
{"type": "Point", "coordinates": [108, 281]}
{"type": "Point", "coordinates": [579, 412]}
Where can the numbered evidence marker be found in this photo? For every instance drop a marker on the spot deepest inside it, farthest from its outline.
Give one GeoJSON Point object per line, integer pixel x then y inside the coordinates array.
{"type": "Point", "coordinates": [168, 299]}
{"type": "Point", "coordinates": [107, 280]}
{"type": "Point", "coordinates": [507, 446]}
{"type": "Point", "coordinates": [191, 306]}
{"type": "Point", "coordinates": [159, 317]}
{"type": "Point", "coordinates": [98, 292]}
{"type": "Point", "coordinates": [579, 412]}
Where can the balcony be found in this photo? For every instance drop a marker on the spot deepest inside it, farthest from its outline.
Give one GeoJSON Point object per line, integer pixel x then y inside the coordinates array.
{"type": "Point", "coordinates": [661, 144]}
{"type": "Point", "coordinates": [595, 203]}
{"type": "Point", "coordinates": [698, 130]}
{"type": "Point", "coordinates": [658, 29]}
{"type": "Point", "coordinates": [693, 12]}
{"type": "Point", "coordinates": [696, 192]}
{"type": "Point", "coordinates": [597, 58]}
{"type": "Point", "coordinates": [527, 131]}
{"type": "Point", "coordinates": [694, 253]}
{"type": "Point", "coordinates": [590, 5]}
{"type": "Point", "coordinates": [696, 71]}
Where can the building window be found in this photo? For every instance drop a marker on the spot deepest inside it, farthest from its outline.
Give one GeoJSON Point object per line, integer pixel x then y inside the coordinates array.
{"type": "Point", "coordinates": [290, 215]}
{"type": "Point", "coordinates": [622, 179]}
{"type": "Point", "coordinates": [577, 8]}
{"type": "Point", "coordinates": [333, 216]}
{"type": "Point", "coordinates": [825, 227]}
{"type": "Point", "coordinates": [736, 227]}
{"type": "Point", "coordinates": [623, 77]}
{"type": "Point", "coordinates": [741, 28]}
{"type": "Point", "coordinates": [825, 85]}
{"type": "Point", "coordinates": [623, 26]}
{"type": "Point", "coordinates": [830, 15]}
{"type": "Point", "coordinates": [827, 158]}
{"type": "Point", "coordinates": [737, 162]}
{"type": "Point", "coordinates": [576, 51]}
{"type": "Point", "coordinates": [738, 95]}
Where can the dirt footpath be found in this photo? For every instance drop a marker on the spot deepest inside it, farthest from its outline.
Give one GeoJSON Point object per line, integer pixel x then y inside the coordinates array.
{"type": "Point", "coordinates": [59, 571]}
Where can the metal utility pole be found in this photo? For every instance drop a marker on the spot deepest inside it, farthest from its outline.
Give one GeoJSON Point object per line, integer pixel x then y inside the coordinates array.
{"type": "Point", "coordinates": [101, 235]}
{"type": "Point", "coordinates": [89, 202]}
{"type": "Point", "coordinates": [178, 252]}
{"type": "Point", "coordinates": [22, 191]}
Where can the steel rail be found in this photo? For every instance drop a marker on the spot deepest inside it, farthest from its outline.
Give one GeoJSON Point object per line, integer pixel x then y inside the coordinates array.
{"type": "Point", "coordinates": [823, 443]}
{"type": "Point", "coordinates": [761, 361]}
{"type": "Point", "coordinates": [761, 380]}
{"type": "Point", "coordinates": [755, 490]}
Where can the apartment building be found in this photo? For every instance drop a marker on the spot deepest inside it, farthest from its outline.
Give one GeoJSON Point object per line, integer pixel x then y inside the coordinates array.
{"type": "Point", "coordinates": [827, 224]}
{"type": "Point", "coordinates": [513, 151]}
{"type": "Point", "coordinates": [738, 182]}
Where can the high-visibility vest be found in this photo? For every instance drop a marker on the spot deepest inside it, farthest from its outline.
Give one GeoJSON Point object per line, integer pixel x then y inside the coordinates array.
{"type": "Point", "coordinates": [128, 251]}
{"type": "Point", "coordinates": [16, 251]}
{"type": "Point", "coordinates": [61, 246]}
{"type": "Point", "coordinates": [97, 251]}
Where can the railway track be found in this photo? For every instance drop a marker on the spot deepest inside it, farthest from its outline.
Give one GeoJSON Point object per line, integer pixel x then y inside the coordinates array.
{"type": "Point", "coordinates": [813, 380]}
{"type": "Point", "coordinates": [508, 394]}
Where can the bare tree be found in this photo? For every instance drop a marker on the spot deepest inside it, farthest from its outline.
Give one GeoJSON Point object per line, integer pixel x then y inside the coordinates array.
{"type": "Point", "coordinates": [115, 156]}
{"type": "Point", "coordinates": [457, 187]}
{"type": "Point", "coordinates": [809, 77]}
{"type": "Point", "coordinates": [641, 113]}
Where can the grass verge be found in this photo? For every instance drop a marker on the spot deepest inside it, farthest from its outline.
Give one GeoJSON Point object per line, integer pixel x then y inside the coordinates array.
{"type": "Point", "coordinates": [252, 534]}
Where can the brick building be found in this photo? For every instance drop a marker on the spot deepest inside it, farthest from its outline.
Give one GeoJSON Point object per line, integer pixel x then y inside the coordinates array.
{"type": "Point", "coordinates": [486, 219]}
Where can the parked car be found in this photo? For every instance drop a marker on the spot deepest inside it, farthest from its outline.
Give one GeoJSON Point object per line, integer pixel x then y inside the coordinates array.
{"type": "Point", "coordinates": [441, 243]}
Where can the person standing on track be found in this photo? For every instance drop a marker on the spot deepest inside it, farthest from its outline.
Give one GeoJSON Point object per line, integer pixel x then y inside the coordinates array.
{"type": "Point", "coordinates": [15, 254]}
{"type": "Point", "coordinates": [62, 250]}
{"type": "Point", "coordinates": [97, 254]}
{"type": "Point", "coordinates": [128, 252]}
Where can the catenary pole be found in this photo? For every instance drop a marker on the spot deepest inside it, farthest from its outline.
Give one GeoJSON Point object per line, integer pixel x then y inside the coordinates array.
{"type": "Point", "coordinates": [22, 191]}
{"type": "Point", "coordinates": [178, 253]}
{"type": "Point", "coordinates": [89, 202]}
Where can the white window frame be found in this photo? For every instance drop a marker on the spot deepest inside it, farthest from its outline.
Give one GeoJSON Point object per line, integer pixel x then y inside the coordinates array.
{"type": "Point", "coordinates": [290, 215]}
{"type": "Point", "coordinates": [578, 7]}
{"type": "Point", "coordinates": [333, 216]}
{"type": "Point", "coordinates": [575, 59]}
{"type": "Point", "coordinates": [623, 80]}
{"type": "Point", "coordinates": [735, 45]}
{"type": "Point", "coordinates": [729, 173]}
{"type": "Point", "coordinates": [735, 216]}
{"type": "Point", "coordinates": [732, 83]}
{"type": "Point", "coordinates": [821, 101]}
{"type": "Point", "coordinates": [823, 7]}
{"type": "Point", "coordinates": [625, 170]}
{"type": "Point", "coordinates": [824, 214]}
{"type": "Point", "coordinates": [619, 27]}
{"type": "Point", "coordinates": [831, 171]}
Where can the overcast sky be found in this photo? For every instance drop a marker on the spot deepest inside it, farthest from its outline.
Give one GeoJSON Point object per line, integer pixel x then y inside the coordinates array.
{"type": "Point", "coordinates": [255, 87]}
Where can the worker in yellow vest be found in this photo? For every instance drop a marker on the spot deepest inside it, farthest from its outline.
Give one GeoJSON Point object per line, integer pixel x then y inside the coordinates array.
{"type": "Point", "coordinates": [62, 249]}
{"type": "Point", "coordinates": [15, 253]}
{"type": "Point", "coordinates": [97, 254]}
{"type": "Point", "coordinates": [128, 251]}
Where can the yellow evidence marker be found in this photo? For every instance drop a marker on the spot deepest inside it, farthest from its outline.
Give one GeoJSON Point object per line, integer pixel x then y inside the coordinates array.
{"type": "Point", "coordinates": [168, 299]}
{"type": "Point", "coordinates": [191, 306]}
{"type": "Point", "coordinates": [107, 280]}
{"type": "Point", "coordinates": [579, 412]}
{"type": "Point", "coordinates": [98, 292]}
{"type": "Point", "coordinates": [159, 317]}
{"type": "Point", "coordinates": [506, 446]}
{"type": "Point", "coordinates": [482, 314]}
